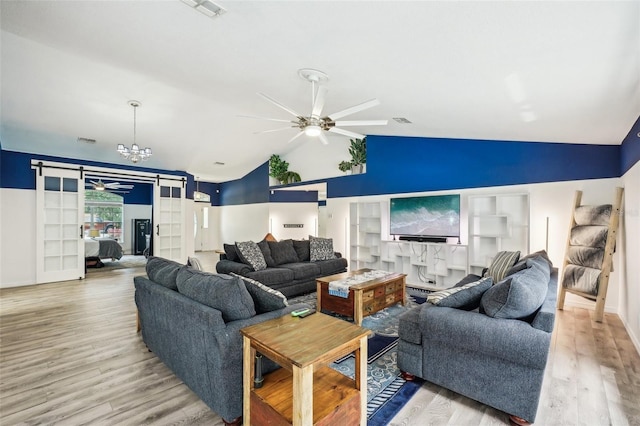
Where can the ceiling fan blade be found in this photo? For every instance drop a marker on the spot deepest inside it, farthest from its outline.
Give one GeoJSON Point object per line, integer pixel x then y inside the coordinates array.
{"type": "Point", "coordinates": [300, 133]}
{"type": "Point", "coordinates": [356, 108]}
{"type": "Point", "coordinates": [362, 123]}
{"type": "Point", "coordinates": [124, 187]}
{"type": "Point", "coordinates": [279, 105]}
{"type": "Point", "coordinates": [274, 130]}
{"type": "Point", "coordinates": [347, 133]}
{"type": "Point", "coordinates": [94, 182]}
{"type": "Point", "coordinates": [265, 118]}
{"type": "Point", "coordinates": [323, 139]}
{"type": "Point", "coordinates": [318, 102]}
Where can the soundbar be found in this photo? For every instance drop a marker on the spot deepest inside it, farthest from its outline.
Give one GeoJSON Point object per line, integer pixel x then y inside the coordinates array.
{"type": "Point", "coordinates": [421, 239]}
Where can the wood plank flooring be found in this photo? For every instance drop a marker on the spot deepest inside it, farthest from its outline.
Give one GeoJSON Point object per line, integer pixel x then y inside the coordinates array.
{"type": "Point", "coordinates": [70, 355]}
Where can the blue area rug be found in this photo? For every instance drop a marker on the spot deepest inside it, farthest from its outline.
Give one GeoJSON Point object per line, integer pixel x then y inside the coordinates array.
{"type": "Point", "coordinates": [387, 392]}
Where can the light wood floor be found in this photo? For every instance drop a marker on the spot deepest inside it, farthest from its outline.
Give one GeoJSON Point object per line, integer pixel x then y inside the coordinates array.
{"type": "Point", "coordinates": [69, 355]}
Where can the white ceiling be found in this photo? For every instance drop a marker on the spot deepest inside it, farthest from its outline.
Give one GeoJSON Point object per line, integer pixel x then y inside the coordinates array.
{"type": "Point", "coordinates": [527, 71]}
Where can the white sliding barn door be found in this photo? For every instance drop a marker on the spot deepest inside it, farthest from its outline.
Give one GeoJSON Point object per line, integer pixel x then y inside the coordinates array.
{"type": "Point", "coordinates": [60, 222]}
{"type": "Point", "coordinates": [168, 220]}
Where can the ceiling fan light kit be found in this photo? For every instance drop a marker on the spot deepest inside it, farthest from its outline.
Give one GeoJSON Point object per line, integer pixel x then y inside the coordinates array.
{"type": "Point", "coordinates": [135, 153]}
{"type": "Point", "coordinates": [314, 124]}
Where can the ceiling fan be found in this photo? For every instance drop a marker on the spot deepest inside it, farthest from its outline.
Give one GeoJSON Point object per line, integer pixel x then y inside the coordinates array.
{"type": "Point", "coordinates": [315, 124]}
{"type": "Point", "coordinates": [110, 187]}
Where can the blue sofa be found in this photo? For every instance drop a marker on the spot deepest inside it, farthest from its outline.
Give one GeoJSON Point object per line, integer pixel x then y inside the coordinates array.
{"type": "Point", "coordinates": [191, 321]}
{"type": "Point", "coordinates": [289, 270]}
{"type": "Point", "coordinates": [496, 353]}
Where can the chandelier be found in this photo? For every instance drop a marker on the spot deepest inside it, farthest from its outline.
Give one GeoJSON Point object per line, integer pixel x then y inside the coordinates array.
{"type": "Point", "coordinates": [135, 154]}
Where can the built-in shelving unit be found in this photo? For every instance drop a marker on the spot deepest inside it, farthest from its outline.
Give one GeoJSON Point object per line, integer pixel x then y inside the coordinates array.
{"type": "Point", "coordinates": [427, 265]}
{"type": "Point", "coordinates": [365, 234]}
{"type": "Point", "coordinates": [497, 222]}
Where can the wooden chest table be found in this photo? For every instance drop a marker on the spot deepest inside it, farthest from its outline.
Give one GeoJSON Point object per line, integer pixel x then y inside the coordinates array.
{"type": "Point", "coordinates": [364, 298]}
{"type": "Point", "coordinates": [306, 391]}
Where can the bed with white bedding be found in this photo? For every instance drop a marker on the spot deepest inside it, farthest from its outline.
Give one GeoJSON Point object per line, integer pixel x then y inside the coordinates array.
{"type": "Point", "coordinates": [102, 248]}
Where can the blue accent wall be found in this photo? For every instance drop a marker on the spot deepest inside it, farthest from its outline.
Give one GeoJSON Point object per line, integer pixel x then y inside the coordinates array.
{"type": "Point", "coordinates": [411, 164]}
{"type": "Point", "coordinates": [16, 172]}
{"type": "Point", "coordinates": [630, 149]}
{"type": "Point", "coordinates": [253, 188]}
{"type": "Point", "coordinates": [293, 196]}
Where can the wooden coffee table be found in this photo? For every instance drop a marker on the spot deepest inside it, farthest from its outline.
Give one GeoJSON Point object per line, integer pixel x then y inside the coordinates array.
{"type": "Point", "coordinates": [364, 298]}
{"type": "Point", "coordinates": [306, 391]}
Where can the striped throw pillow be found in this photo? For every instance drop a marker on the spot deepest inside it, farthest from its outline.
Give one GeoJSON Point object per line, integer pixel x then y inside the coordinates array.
{"type": "Point", "coordinates": [503, 261]}
{"type": "Point", "coordinates": [467, 296]}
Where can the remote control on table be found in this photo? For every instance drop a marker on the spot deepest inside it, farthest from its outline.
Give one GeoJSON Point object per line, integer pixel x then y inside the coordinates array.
{"type": "Point", "coordinates": [306, 314]}
{"type": "Point", "coordinates": [299, 312]}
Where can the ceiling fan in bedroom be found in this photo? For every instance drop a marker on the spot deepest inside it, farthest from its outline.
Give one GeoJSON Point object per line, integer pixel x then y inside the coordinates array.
{"type": "Point", "coordinates": [109, 187]}
{"type": "Point", "coordinates": [314, 124]}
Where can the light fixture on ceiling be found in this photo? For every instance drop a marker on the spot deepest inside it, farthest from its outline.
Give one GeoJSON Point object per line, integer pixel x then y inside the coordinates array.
{"type": "Point", "coordinates": [198, 196]}
{"type": "Point", "coordinates": [206, 7]}
{"type": "Point", "coordinates": [135, 154]}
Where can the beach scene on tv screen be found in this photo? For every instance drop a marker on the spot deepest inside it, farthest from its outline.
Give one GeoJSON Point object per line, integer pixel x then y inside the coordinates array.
{"type": "Point", "coordinates": [426, 216]}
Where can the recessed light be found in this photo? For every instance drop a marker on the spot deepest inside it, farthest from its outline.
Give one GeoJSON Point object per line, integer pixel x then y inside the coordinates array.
{"type": "Point", "coordinates": [206, 7]}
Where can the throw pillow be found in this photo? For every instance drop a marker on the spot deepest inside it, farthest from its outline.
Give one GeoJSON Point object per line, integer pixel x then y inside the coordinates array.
{"type": "Point", "coordinates": [222, 292]}
{"type": "Point", "coordinates": [302, 250]}
{"type": "Point", "coordinates": [522, 262]}
{"type": "Point", "coordinates": [163, 271]}
{"type": "Point", "coordinates": [467, 296]}
{"type": "Point", "coordinates": [250, 253]}
{"type": "Point", "coordinates": [231, 252]}
{"type": "Point", "coordinates": [283, 252]}
{"type": "Point", "coordinates": [266, 253]}
{"type": "Point", "coordinates": [194, 262]}
{"type": "Point", "coordinates": [320, 248]}
{"type": "Point", "coordinates": [520, 295]}
{"type": "Point", "coordinates": [503, 261]}
{"type": "Point", "coordinates": [264, 298]}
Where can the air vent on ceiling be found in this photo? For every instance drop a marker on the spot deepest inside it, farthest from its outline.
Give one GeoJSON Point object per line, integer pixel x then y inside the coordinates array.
{"type": "Point", "coordinates": [402, 120]}
{"type": "Point", "coordinates": [206, 7]}
{"type": "Point", "coordinates": [218, 163]}
{"type": "Point", "coordinates": [86, 140]}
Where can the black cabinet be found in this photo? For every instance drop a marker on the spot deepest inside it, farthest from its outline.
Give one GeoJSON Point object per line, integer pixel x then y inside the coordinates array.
{"type": "Point", "coordinates": [141, 235]}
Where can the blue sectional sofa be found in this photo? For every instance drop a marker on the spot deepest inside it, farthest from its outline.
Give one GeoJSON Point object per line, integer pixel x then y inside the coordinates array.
{"type": "Point", "coordinates": [496, 353]}
{"type": "Point", "coordinates": [290, 268]}
{"type": "Point", "coordinates": [191, 321]}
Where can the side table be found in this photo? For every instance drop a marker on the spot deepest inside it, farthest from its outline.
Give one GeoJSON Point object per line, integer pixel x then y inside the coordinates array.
{"type": "Point", "coordinates": [305, 391]}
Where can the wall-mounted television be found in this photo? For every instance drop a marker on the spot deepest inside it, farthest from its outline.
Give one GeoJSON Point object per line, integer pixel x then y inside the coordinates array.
{"type": "Point", "coordinates": [427, 216]}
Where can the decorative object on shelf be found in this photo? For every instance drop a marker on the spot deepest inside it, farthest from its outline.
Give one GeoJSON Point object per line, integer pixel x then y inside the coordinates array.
{"type": "Point", "coordinates": [279, 169]}
{"type": "Point", "coordinates": [314, 125]}
{"type": "Point", "coordinates": [358, 151]}
{"type": "Point", "coordinates": [345, 166]}
{"type": "Point", "coordinates": [135, 154]}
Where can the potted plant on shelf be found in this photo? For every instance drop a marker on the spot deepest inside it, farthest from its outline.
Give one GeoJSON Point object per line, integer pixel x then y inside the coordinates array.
{"type": "Point", "coordinates": [345, 166]}
{"type": "Point", "coordinates": [279, 169]}
{"type": "Point", "coordinates": [358, 151]}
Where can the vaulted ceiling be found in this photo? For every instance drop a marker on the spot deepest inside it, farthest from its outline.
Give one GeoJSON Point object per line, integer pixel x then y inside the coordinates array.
{"type": "Point", "coordinates": [546, 71]}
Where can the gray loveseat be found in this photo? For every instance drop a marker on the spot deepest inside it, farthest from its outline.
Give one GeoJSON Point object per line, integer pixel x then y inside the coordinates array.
{"type": "Point", "coordinates": [495, 354]}
{"type": "Point", "coordinates": [200, 343]}
{"type": "Point", "coordinates": [288, 266]}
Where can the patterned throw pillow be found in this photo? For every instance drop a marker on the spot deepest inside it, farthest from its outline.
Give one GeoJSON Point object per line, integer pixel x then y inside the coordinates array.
{"type": "Point", "coordinates": [467, 296]}
{"type": "Point", "coordinates": [250, 254]}
{"type": "Point", "coordinates": [264, 298]}
{"type": "Point", "coordinates": [320, 248]}
{"type": "Point", "coordinates": [503, 261]}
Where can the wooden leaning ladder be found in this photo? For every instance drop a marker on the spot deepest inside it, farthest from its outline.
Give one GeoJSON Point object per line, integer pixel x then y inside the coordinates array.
{"type": "Point", "coordinates": [605, 270]}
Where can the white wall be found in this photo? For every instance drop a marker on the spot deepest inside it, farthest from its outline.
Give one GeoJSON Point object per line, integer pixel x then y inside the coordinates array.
{"type": "Point", "coordinates": [325, 157]}
{"type": "Point", "coordinates": [305, 214]}
{"type": "Point", "coordinates": [18, 260]}
{"type": "Point", "coordinates": [243, 223]}
{"type": "Point", "coordinates": [547, 200]}
{"type": "Point", "coordinates": [133, 211]}
{"type": "Point", "coordinates": [629, 248]}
